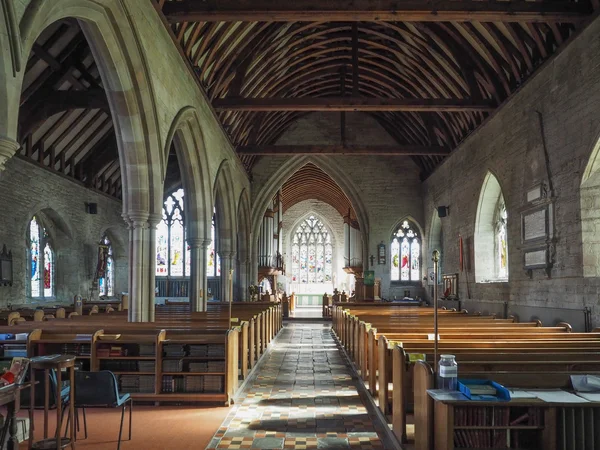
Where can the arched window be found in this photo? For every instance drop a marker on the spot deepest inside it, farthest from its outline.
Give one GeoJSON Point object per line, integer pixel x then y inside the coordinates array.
{"type": "Point", "coordinates": [41, 261]}
{"type": "Point", "coordinates": [406, 253]}
{"type": "Point", "coordinates": [500, 218]}
{"type": "Point", "coordinates": [107, 282]}
{"type": "Point", "coordinates": [312, 252]}
{"type": "Point", "coordinates": [172, 257]}
{"type": "Point", "coordinates": [213, 261]}
{"type": "Point", "coordinates": [491, 234]}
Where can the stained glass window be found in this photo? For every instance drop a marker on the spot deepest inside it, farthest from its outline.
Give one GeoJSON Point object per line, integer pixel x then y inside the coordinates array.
{"type": "Point", "coordinates": [172, 252]}
{"type": "Point", "coordinates": [41, 262]}
{"type": "Point", "coordinates": [406, 253]}
{"type": "Point", "coordinates": [213, 264]}
{"type": "Point", "coordinates": [501, 249]}
{"type": "Point", "coordinates": [106, 283]}
{"type": "Point", "coordinates": [312, 253]}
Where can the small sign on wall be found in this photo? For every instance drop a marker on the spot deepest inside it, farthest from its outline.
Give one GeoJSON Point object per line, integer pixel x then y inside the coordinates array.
{"type": "Point", "coordinates": [381, 253]}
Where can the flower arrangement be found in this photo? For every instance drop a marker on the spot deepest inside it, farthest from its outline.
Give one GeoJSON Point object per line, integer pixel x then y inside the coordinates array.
{"type": "Point", "coordinates": [253, 290]}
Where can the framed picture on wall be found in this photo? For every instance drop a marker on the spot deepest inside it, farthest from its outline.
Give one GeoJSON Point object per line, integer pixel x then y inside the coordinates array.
{"type": "Point", "coordinates": [430, 276]}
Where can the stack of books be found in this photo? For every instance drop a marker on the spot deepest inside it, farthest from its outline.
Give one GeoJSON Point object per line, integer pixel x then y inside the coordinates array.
{"type": "Point", "coordinates": [147, 384]}
{"type": "Point", "coordinates": [216, 350]}
{"type": "Point", "coordinates": [213, 383]}
{"type": "Point", "coordinates": [172, 365]}
{"type": "Point", "coordinates": [147, 350]}
{"type": "Point", "coordinates": [130, 383]}
{"type": "Point", "coordinates": [146, 366]}
{"type": "Point", "coordinates": [194, 384]}
{"type": "Point", "coordinates": [198, 350]}
{"type": "Point", "coordinates": [174, 350]}
{"type": "Point", "coordinates": [216, 366]}
{"type": "Point", "coordinates": [199, 367]}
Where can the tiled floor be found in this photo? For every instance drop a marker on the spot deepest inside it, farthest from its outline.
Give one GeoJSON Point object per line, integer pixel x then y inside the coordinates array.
{"type": "Point", "coordinates": [303, 397]}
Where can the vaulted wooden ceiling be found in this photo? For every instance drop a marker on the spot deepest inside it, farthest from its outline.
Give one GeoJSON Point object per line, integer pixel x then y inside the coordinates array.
{"type": "Point", "coordinates": [65, 124]}
{"type": "Point", "coordinates": [429, 72]}
{"type": "Point", "coordinates": [310, 183]}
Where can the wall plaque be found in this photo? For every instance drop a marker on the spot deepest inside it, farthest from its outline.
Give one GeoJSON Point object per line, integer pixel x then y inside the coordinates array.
{"type": "Point", "coordinates": [537, 224]}
{"type": "Point", "coordinates": [535, 259]}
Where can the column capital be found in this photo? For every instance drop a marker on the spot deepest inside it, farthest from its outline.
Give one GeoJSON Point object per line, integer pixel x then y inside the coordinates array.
{"type": "Point", "coordinates": [136, 219]}
{"type": "Point", "coordinates": [154, 219]}
{"type": "Point", "coordinates": [198, 242]}
{"type": "Point", "coordinates": [226, 254]}
{"type": "Point", "coordinates": [8, 147]}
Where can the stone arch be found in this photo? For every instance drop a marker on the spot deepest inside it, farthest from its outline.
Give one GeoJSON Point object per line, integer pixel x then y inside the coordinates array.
{"type": "Point", "coordinates": [485, 262]}
{"type": "Point", "coordinates": [328, 165]}
{"type": "Point", "coordinates": [226, 223]}
{"type": "Point", "coordinates": [589, 196]}
{"type": "Point", "coordinates": [243, 245]}
{"type": "Point", "coordinates": [225, 205]}
{"type": "Point", "coordinates": [124, 74]}
{"type": "Point", "coordinates": [186, 136]}
{"type": "Point", "coordinates": [10, 66]}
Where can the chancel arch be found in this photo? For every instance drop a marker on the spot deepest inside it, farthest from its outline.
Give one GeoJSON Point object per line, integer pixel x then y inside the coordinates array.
{"type": "Point", "coordinates": [327, 165]}
{"type": "Point", "coordinates": [491, 233]}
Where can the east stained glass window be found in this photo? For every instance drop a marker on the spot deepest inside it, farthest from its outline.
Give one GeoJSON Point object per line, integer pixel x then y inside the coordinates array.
{"type": "Point", "coordinates": [106, 283]}
{"type": "Point", "coordinates": [41, 262]}
{"type": "Point", "coordinates": [312, 252]}
{"type": "Point", "coordinates": [501, 250]}
{"type": "Point", "coordinates": [171, 248]}
{"type": "Point", "coordinates": [406, 253]}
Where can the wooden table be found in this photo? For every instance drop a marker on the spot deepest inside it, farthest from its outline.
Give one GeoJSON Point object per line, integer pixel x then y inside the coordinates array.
{"type": "Point", "coordinates": [11, 397]}
{"type": "Point", "coordinates": [57, 363]}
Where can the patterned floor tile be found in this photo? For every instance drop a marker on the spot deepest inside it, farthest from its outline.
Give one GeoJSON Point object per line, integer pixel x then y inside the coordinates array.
{"type": "Point", "coordinates": [304, 397]}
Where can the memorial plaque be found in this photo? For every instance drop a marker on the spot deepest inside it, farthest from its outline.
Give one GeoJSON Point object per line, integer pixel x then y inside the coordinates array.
{"type": "Point", "coordinates": [535, 258]}
{"type": "Point", "coordinates": [535, 225]}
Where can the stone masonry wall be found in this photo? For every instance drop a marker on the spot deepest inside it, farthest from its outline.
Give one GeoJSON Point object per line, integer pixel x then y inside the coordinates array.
{"type": "Point", "coordinates": [567, 94]}
{"type": "Point", "coordinates": [25, 190]}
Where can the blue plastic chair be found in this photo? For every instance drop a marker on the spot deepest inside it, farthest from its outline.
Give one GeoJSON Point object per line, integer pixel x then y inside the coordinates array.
{"type": "Point", "coordinates": [101, 390]}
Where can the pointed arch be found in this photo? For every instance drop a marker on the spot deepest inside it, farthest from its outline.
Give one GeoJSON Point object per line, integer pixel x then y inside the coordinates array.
{"type": "Point", "coordinates": [186, 136]}
{"type": "Point", "coordinates": [283, 173]}
{"type": "Point", "coordinates": [243, 246]}
{"type": "Point", "coordinates": [491, 236]}
{"type": "Point", "coordinates": [121, 64]}
{"type": "Point", "coordinates": [590, 213]}
{"type": "Point", "coordinates": [225, 206]}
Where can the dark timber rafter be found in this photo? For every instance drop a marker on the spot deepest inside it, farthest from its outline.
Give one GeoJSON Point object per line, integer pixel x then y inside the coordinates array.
{"type": "Point", "coordinates": [350, 104]}
{"type": "Point", "coordinates": [404, 150]}
{"type": "Point", "coordinates": [366, 10]}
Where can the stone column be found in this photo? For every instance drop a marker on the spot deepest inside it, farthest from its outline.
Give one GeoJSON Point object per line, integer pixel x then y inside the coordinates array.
{"type": "Point", "coordinates": [150, 276]}
{"type": "Point", "coordinates": [138, 228]}
{"type": "Point", "coordinates": [8, 147]}
{"type": "Point", "coordinates": [198, 248]}
{"type": "Point", "coordinates": [243, 269]}
{"type": "Point", "coordinates": [226, 266]}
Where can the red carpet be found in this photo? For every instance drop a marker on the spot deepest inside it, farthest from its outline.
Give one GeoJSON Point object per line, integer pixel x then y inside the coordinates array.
{"type": "Point", "coordinates": [154, 427]}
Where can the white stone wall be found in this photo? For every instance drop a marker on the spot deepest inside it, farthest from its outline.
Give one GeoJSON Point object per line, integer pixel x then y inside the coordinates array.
{"type": "Point", "coordinates": [25, 190]}
{"type": "Point", "coordinates": [566, 92]}
{"type": "Point", "coordinates": [331, 218]}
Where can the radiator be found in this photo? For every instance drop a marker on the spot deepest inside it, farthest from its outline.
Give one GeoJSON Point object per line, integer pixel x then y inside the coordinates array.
{"type": "Point", "coordinates": [578, 428]}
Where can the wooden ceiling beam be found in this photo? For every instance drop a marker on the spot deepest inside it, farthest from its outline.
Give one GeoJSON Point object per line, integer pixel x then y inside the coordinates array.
{"type": "Point", "coordinates": [398, 150]}
{"type": "Point", "coordinates": [351, 104]}
{"type": "Point", "coordinates": [367, 10]}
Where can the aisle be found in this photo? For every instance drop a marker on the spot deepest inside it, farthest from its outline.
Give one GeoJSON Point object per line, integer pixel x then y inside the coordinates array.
{"type": "Point", "coordinates": [303, 396]}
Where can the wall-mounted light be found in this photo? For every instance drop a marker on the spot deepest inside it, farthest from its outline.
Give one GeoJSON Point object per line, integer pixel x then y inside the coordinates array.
{"type": "Point", "coordinates": [443, 211]}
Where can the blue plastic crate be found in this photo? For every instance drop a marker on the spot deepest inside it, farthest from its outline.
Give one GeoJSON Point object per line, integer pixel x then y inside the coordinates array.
{"type": "Point", "coordinates": [502, 394]}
